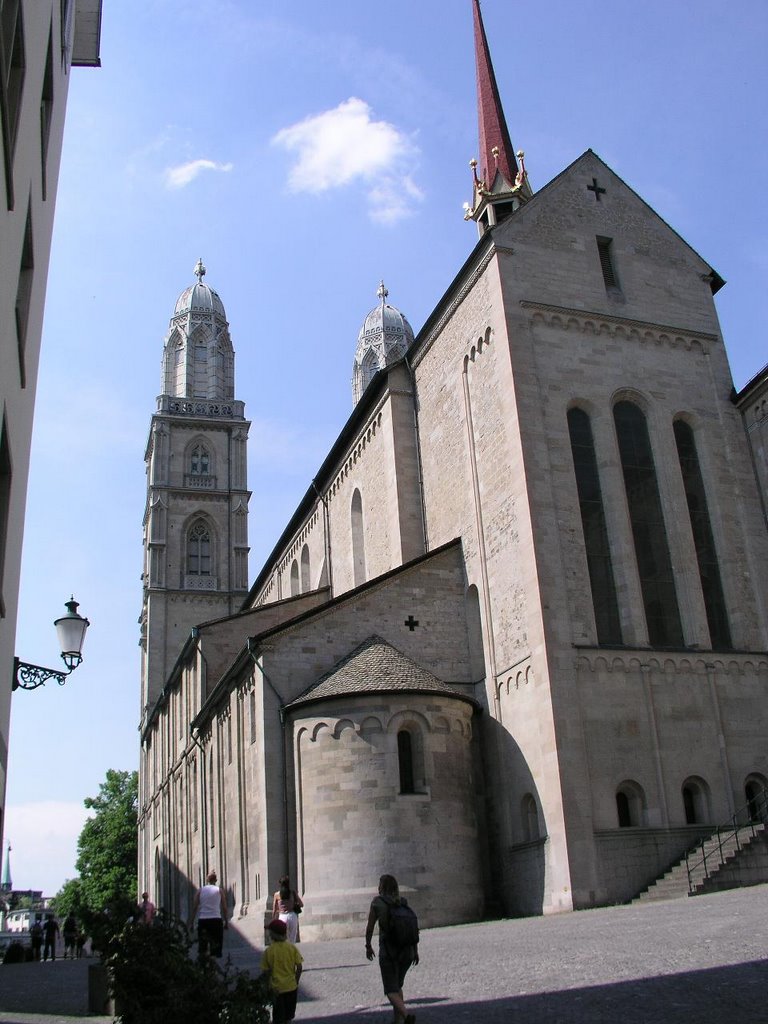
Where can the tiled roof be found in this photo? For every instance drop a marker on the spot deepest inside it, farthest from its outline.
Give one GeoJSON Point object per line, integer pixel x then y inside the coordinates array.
{"type": "Point", "coordinates": [376, 667]}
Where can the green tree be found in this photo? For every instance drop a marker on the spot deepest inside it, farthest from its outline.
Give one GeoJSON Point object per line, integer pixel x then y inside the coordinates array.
{"type": "Point", "coordinates": [108, 846]}
{"type": "Point", "coordinates": [69, 899]}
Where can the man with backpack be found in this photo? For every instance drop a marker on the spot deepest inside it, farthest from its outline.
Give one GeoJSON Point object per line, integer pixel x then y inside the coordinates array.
{"type": "Point", "coordinates": [398, 942]}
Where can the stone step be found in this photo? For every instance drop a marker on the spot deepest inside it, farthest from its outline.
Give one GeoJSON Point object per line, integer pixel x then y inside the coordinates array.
{"type": "Point", "coordinates": [706, 861]}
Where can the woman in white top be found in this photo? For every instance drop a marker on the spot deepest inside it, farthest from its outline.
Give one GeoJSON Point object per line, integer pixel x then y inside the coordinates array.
{"type": "Point", "coordinates": [210, 905]}
{"type": "Point", "coordinates": [286, 905]}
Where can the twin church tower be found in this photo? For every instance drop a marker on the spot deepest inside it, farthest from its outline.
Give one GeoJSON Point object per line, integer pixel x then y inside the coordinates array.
{"type": "Point", "coordinates": [196, 517]}
{"type": "Point", "coordinates": [512, 645]}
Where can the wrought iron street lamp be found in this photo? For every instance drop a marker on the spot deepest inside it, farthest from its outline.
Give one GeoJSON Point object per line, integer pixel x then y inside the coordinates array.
{"type": "Point", "coordinates": [70, 629]}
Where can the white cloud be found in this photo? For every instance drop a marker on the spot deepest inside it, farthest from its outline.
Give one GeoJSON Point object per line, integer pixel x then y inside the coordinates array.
{"type": "Point", "coordinates": [346, 145]}
{"type": "Point", "coordinates": [184, 174]}
{"type": "Point", "coordinates": [43, 838]}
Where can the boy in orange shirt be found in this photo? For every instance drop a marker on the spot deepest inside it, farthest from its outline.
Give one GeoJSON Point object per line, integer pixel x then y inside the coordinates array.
{"type": "Point", "coordinates": [281, 963]}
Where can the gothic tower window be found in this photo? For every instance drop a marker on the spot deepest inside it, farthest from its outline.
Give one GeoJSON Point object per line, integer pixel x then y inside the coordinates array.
{"type": "Point", "coordinates": [199, 549]}
{"type": "Point", "coordinates": [649, 532]}
{"type": "Point", "coordinates": [200, 461]}
{"type": "Point", "coordinates": [701, 526]}
{"type": "Point", "coordinates": [593, 525]}
{"type": "Point", "coordinates": [201, 369]}
{"type": "Point", "coordinates": [358, 539]}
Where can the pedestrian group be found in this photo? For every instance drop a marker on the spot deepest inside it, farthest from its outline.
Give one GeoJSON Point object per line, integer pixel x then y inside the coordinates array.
{"type": "Point", "coordinates": [281, 964]}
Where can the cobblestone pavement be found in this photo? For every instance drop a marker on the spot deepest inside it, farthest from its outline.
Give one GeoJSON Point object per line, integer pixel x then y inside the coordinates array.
{"type": "Point", "coordinates": [655, 963]}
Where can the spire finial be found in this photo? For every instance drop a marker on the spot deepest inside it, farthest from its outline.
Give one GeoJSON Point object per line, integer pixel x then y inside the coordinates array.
{"type": "Point", "coordinates": [382, 292]}
{"type": "Point", "coordinates": [199, 271]}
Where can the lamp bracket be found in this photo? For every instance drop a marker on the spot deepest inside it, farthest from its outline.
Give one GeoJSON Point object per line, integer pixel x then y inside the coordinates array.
{"type": "Point", "coordinates": [29, 677]}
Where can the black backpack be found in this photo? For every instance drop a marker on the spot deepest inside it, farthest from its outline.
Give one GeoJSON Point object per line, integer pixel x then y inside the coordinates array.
{"type": "Point", "coordinates": [402, 927]}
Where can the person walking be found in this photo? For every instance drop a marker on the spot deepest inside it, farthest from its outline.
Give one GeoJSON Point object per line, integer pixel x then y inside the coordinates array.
{"type": "Point", "coordinates": [210, 905]}
{"type": "Point", "coordinates": [398, 943]}
{"type": "Point", "coordinates": [36, 935]}
{"type": "Point", "coordinates": [147, 909]}
{"type": "Point", "coordinates": [69, 931]}
{"type": "Point", "coordinates": [282, 964]}
{"type": "Point", "coordinates": [51, 932]}
{"type": "Point", "coordinates": [286, 907]}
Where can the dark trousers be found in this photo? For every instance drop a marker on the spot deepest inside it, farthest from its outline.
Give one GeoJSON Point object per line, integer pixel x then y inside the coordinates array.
{"type": "Point", "coordinates": [210, 936]}
{"type": "Point", "coordinates": [284, 1007]}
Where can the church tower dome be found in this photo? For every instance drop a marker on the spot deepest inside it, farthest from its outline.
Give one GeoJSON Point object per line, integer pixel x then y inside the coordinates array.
{"type": "Point", "coordinates": [198, 358]}
{"type": "Point", "coordinates": [383, 339]}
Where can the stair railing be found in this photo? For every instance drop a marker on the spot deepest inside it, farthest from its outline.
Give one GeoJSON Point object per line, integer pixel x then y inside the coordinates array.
{"type": "Point", "coordinates": [753, 815]}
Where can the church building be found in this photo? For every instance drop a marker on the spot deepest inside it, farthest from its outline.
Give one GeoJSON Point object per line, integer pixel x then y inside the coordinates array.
{"type": "Point", "coordinates": [512, 646]}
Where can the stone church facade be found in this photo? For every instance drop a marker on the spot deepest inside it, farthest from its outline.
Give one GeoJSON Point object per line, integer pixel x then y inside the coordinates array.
{"type": "Point", "coordinates": [511, 646]}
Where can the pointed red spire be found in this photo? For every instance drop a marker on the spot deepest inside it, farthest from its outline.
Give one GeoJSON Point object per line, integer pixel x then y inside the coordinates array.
{"type": "Point", "coordinates": [490, 115]}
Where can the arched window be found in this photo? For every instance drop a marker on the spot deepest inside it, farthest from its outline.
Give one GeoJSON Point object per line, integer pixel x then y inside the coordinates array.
{"type": "Point", "coordinates": [706, 556]}
{"type": "Point", "coordinates": [199, 549]}
{"type": "Point", "coordinates": [294, 578]}
{"type": "Point", "coordinates": [201, 369]}
{"type": "Point", "coordinates": [405, 761]}
{"type": "Point", "coordinates": [654, 565]}
{"type": "Point", "coordinates": [200, 460]}
{"type": "Point", "coordinates": [593, 526]}
{"type": "Point", "coordinates": [179, 369]}
{"type": "Point", "coordinates": [630, 804]}
{"type": "Point", "coordinates": [530, 817]}
{"type": "Point", "coordinates": [369, 369]}
{"type": "Point", "coordinates": [695, 793]}
{"type": "Point", "coordinates": [756, 793]}
{"type": "Point", "coordinates": [305, 580]}
{"type": "Point", "coordinates": [358, 539]}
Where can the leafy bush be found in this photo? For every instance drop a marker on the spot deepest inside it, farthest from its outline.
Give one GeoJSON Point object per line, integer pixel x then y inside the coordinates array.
{"type": "Point", "coordinates": [155, 980]}
{"type": "Point", "coordinates": [15, 954]}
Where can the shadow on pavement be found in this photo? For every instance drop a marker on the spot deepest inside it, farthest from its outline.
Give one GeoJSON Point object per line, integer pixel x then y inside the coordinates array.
{"type": "Point", "coordinates": [60, 987]}
{"type": "Point", "coordinates": [734, 993]}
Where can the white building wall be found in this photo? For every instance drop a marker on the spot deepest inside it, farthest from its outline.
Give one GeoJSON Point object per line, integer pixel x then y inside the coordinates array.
{"type": "Point", "coordinates": [28, 183]}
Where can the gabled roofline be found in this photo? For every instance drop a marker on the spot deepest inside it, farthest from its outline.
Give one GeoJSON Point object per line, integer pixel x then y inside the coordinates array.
{"type": "Point", "coordinates": [253, 642]}
{"type": "Point", "coordinates": [716, 282]}
{"type": "Point", "coordinates": [739, 396]}
{"type": "Point", "coordinates": [482, 250]}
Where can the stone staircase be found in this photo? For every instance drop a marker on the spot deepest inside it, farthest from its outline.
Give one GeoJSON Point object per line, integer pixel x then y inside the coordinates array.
{"type": "Point", "coordinates": [729, 861]}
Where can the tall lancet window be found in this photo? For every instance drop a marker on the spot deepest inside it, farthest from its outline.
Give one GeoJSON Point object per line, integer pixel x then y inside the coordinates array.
{"type": "Point", "coordinates": [596, 545]}
{"type": "Point", "coordinates": [649, 532]}
{"type": "Point", "coordinates": [199, 549]}
{"type": "Point", "coordinates": [701, 526]}
{"type": "Point", "coordinates": [201, 369]}
{"type": "Point", "coordinates": [179, 369]}
{"type": "Point", "coordinates": [200, 461]}
{"type": "Point", "coordinates": [358, 539]}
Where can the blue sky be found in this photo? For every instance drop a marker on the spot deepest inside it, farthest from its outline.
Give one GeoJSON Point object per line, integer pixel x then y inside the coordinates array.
{"type": "Point", "coordinates": [305, 151]}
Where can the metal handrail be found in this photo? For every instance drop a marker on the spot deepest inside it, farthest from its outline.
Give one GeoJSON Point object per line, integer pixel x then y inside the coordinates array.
{"type": "Point", "coordinates": [755, 812]}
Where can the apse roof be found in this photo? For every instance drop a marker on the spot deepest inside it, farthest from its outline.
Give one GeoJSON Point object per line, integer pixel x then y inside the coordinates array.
{"type": "Point", "coordinates": [375, 666]}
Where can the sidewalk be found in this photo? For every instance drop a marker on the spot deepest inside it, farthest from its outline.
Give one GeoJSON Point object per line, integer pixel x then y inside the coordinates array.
{"type": "Point", "coordinates": [655, 963]}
